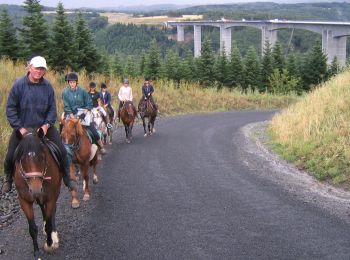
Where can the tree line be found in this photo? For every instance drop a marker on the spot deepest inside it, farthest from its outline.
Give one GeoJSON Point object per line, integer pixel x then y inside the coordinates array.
{"type": "Point", "coordinates": [70, 45]}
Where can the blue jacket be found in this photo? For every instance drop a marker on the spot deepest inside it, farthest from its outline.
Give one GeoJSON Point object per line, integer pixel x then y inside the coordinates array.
{"type": "Point", "coordinates": [74, 99]}
{"type": "Point", "coordinates": [107, 99]}
{"type": "Point", "coordinates": [147, 90]}
{"type": "Point", "coordinates": [30, 105]}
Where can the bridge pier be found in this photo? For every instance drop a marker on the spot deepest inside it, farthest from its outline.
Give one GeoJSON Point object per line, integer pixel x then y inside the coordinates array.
{"type": "Point", "coordinates": [197, 35]}
{"type": "Point", "coordinates": [268, 35]}
{"type": "Point", "coordinates": [180, 33]}
{"type": "Point", "coordinates": [334, 47]}
{"type": "Point", "coordinates": [225, 40]}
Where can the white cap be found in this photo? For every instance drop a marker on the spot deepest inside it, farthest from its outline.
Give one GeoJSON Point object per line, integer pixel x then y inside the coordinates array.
{"type": "Point", "coordinates": [38, 62]}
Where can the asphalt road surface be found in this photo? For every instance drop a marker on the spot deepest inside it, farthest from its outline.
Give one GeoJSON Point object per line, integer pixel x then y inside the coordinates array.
{"type": "Point", "coordinates": [191, 191]}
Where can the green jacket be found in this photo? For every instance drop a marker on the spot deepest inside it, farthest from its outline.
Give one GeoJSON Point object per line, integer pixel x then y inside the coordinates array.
{"type": "Point", "coordinates": [74, 99]}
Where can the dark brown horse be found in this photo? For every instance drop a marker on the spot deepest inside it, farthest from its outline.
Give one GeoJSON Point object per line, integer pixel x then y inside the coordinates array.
{"type": "Point", "coordinates": [149, 110]}
{"type": "Point", "coordinates": [83, 153]}
{"type": "Point", "coordinates": [38, 179]}
{"type": "Point", "coordinates": [127, 114]}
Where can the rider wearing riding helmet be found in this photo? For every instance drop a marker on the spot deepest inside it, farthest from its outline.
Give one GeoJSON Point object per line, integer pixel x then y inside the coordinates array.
{"type": "Point", "coordinates": [95, 95]}
{"type": "Point", "coordinates": [75, 98]}
{"type": "Point", "coordinates": [147, 91]}
{"type": "Point", "coordinates": [106, 100]}
{"type": "Point", "coordinates": [125, 94]}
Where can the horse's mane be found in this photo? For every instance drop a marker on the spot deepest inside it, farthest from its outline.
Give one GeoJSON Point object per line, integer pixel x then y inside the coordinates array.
{"type": "Point", "coordinates": [30, 146]}
{"type": "Point", "coordinates": [78, 126]}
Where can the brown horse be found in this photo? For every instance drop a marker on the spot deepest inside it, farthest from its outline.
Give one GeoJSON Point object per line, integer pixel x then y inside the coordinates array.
{"type": "Point", "coordinates": [83, 153]}
{"type": "Point", "coordinates": [38, 179]}
{"type": "Point", "coordinates": [149, 110]}
{"type": "Point", "coordinates": [127, 114]}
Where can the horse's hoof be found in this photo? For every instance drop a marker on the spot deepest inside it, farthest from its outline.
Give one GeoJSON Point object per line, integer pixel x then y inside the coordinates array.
{"type": "Point", "coordinates": [110, 143]}
{"type": "Point", "coordinates": [86, 197]}
{"type": "Point", "coordinates": [75, 204]}
{"type": "Point", "coordinates": [128, 141]}
{"type": "Point", "coordinates": [150, 133]}
{"type": "Point", "coordinates": [145, 135]}
{"type": "Point", "coordinates": [49, 249]}
{"type": "Point", "coordinates": [95, 180]}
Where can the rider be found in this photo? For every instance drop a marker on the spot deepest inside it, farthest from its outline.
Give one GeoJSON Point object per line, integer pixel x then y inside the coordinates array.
{"type": "Point", "coordinates": [125, 94]}
{"type": "Point", "coordinates": [147, 91]}
{"type": "Point", "coordinates": [95, 95]}
{"type": "Point", "coordinates": [74, 98]}
{"type": "Point", "coordinates": [106, 99]}
{"type": "Point", "coordinates": [24, 112]}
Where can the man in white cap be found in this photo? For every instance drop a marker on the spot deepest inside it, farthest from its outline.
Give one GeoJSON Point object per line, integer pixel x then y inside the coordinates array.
{"type": "Point", "coordinates": [24, 112]}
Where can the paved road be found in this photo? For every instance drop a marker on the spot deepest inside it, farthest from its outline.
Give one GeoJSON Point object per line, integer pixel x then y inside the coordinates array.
{"type": "Point", "coordinates": [187, 193]}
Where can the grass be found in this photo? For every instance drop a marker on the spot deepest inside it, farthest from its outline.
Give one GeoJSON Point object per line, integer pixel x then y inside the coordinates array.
{"type": "Point", "coordinates": [315, 132]}
{"type": "Point", "coordinates": [172, 98]}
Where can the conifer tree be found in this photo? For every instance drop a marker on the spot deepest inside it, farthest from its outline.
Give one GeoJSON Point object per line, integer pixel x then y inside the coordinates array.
{"type": "Point", "coordinates": [334, 68]}
{"type": "Point", "coordinates": [142, 63]}
{"type": "Point", "coordinates": [153, 62]}
{"type": "Point", "coordinates": [34, 32]}
{"type": "Point", "coordinates": [251, 70]}
{"type": "Point", "coordinates": [130, 68]}
{"type": "Point", "coordinates": [278, 58]}
{"type": "Point", "coordinates": [117, 66]}
{"type": "Point", "coordinates": [292, 64]}
{"type": "Point", "coordinates": [266, 68]}
{"type": "Point", "coordinates": [314, 69]}
{"type": "Point", "coordinates": [235, 73]}
{"type": "Point", "coordinates": [187, 67]}
{"type": "Point", "coordinates": [8, 40]}
{"type": "Point", "coordinates": [62, 43]}
{"type": "Point", "coordinates": [87, 56]}
{"type": "Point", "coordinates": [221, 69]}
{"type": "Point", "coordinates": [206, 62]}
{"type": "Point", "coordinates": [171, 66]}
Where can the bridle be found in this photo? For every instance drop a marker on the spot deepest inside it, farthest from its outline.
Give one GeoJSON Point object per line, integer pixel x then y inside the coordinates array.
{"type": "Point", "coordinates": [35, 174]}
{"type": "Point", "coordinates": [75, 145]}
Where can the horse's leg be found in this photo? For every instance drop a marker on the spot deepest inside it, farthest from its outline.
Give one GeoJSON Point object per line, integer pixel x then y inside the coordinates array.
{"type": "Point", "coordinates": [85, 170]}
{"type": "Point", "coordinates": [75, 201]}
{"type": "Point", "coordinates": [52, 241]}
{"type": "Point", "coordinates": [153, 119]}
{"type": "Point", "coordinates": [95, 178]}
{"type": "Point", "coordinates": [33, 229]}
{"type": "Point", "coordinates": [127, 133]}
{"type": "Point", "coordinates": [144, 126]}
{"type": "Point", "coordinates": [149, 126]}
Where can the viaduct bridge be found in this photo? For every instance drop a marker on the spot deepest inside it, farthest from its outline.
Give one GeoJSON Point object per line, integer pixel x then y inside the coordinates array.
{"type": "Point", "coordinates": [334, 34]}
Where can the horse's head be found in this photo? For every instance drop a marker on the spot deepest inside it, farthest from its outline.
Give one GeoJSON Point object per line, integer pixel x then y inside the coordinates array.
{"type": "Point", "coordinates": [71, 131]}
{"type": "Point", "coordinates": [129, 107]}
{"type": "Point", "coordinates": [31, 161]}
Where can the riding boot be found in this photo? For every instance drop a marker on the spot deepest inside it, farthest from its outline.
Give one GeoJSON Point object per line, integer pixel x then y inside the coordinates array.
{"type": "Point", "coordinates": [66, 176]}
{"type": "Point", "coordinates": [102, 149]}
{"type": "Point", "coordinates": [7, 186]}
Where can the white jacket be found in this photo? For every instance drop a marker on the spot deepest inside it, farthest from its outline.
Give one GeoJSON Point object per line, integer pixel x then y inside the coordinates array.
{"type": "Point", "coordinates": [125, 93]}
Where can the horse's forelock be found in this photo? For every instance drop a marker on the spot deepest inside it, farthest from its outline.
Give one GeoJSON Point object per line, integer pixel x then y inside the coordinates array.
{"type": "Point", "coordinates": [30, 145]}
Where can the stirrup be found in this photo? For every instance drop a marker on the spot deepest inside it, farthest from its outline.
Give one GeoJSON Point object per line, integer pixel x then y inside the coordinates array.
{"type": "Point", "coordinates": [109, 125]}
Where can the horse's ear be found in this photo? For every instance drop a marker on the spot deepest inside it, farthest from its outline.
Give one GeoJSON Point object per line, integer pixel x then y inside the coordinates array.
{"type": "Point", "coordinates": [40, 133]}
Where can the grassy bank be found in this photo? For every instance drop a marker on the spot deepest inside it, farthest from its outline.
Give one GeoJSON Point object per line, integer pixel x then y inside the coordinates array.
{"type": "Point", "coordinates": [315, 132]}
{"type": "Point", "coordinates": [171, 98]}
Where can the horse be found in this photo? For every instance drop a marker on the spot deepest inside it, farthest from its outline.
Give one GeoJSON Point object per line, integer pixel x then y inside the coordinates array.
{"type": "Point", "coordinates": [83, 153]}
{"type": "Point", "coordinates": [100, 123]}
{"type": "Point", "coordinates": [127, 114]}
{"type": "Point", "coordinates": [147, 109]}
{"type": "Point", "coordinates": [37, 179]}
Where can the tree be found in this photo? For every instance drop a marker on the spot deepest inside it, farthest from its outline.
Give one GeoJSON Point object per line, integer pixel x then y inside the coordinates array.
{"type": "Point", "coordinates": [87, 56]}
{"type": "Point", "coordinates": [187, 67]}
{"type": "Point", "coordinates": [130, 68]}
{"type": "Point", "coordinates": [153, 63]}
{"type": "Point", "coordinates": [116, 66]}
{"type": "Point", "coordinates": [61, 42]}
{"type": "Point", "coordinates": [235, 73]}
{"type": "Point", "coordinates": [206, 63]}
{"type": "Point", "coordinates": [266, 68]}
{"type": "Point", "coordinates": [172, 65]}
{"type": "Point", "coordinates": [252, 70]}
{"type": "Point", "coordinates": [142, 63]}
{"type": "Point", "coordinates": [34, 32]}
{"type": "Point", "coordinates": [315, 67]}
{"type": "Point", "coordinates": [221, 69]}
{"type": "Point", "coordinates": [334, 68]}
{"type": "Point", "coordinates": [278, 58]}
{"type": "Point", "coordinates": [292, 65]}
{"type": "Point", "coordinates": [282, 83]}
{"type": "Point", "coordinates": [8, 40]}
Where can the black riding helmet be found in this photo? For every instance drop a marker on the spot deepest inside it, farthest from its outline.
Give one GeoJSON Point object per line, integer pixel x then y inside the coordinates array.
{"type": "Point", "coordinates": [72, 77]}
{"type": "Point", "coordinates": [92, 85]}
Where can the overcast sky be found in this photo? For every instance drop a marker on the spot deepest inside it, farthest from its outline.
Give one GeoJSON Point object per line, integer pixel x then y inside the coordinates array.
{"type": "Point", "coordinates": [117, 3]}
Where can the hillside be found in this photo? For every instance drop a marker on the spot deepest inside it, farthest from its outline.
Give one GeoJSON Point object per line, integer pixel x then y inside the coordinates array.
{"type": "Point", "coordinates": [315, 134]}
